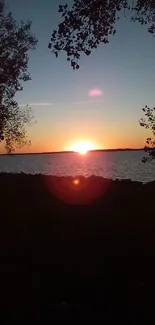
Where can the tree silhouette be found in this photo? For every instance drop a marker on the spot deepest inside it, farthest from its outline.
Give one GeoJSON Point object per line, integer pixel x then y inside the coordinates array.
{"type": "Point", "coordinates": [89, 23]}
{"type": "Point", "coordinates": [15, 42]}
{"type": "Point", "coordinates": [149, 123]}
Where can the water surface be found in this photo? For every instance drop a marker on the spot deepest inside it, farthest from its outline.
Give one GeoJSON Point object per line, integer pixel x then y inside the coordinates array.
{"type": "Point", "coordinates": [114, 164]}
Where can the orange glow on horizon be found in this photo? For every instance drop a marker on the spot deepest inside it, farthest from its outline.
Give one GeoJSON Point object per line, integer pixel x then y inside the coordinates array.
{"type": "Point", "coordinates": [82, 147]}
{"type": "Point", "coordinates": [82, 142]}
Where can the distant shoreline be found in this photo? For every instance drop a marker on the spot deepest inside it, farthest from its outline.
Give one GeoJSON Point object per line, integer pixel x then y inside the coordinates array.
{"type": "Point", "coordinates": [62, 152]}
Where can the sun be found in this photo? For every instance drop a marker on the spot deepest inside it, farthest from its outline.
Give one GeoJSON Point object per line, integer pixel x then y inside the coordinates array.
{"type": "Point", "coordinates": [82, 147]}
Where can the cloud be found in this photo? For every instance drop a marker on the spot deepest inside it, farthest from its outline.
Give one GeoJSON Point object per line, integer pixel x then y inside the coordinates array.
{"type": "Point", "coordinates": [58, 103]}
{"type": "Point", "coordinates": [95, 92]}
{"type": "Point", "coordinates": [36, 104]}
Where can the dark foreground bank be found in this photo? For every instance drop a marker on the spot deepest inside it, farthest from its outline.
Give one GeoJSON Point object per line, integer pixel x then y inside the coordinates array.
{"type": "Point", "coordinates": [79, 249]}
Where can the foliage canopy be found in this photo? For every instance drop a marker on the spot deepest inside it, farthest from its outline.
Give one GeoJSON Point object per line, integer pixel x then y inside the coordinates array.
{"type": "Point", "coordinates": [90, 22]}
{"type": "Point", "coordinates": [15, 42]}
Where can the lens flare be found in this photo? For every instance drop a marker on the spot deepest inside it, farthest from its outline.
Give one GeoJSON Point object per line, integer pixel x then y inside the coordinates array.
{"type": "Point", "coordinates": [95, 92]}
{"type": "Point", "coordinates": [77, 190]}
{"type": "Point", "coordinates": [76, 181]}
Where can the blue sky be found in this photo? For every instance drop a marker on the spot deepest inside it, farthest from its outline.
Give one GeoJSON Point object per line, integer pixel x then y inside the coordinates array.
{"type": "Point", "coordinates": [124, 70]}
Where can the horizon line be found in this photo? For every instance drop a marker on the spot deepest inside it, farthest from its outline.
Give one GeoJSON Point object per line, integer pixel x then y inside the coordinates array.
{"type": "Point", "coordinates": [70, 151]}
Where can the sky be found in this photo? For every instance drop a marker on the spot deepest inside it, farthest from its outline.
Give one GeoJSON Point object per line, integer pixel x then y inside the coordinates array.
{"type": "Point", "coordinates": [102, 101]}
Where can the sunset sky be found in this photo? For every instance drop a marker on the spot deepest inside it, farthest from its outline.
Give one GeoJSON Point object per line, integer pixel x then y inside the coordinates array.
{"type": "Point", "coordinates": [101, 102]}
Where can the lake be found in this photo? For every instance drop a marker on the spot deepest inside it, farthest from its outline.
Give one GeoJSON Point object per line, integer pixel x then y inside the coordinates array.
{"type": "Point", "coordinates": [111, 164]}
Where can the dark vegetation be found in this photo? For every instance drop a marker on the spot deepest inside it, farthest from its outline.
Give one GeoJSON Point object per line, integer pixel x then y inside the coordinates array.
{"type": "Point", "coordinates": [16, 40]}
{"type": "Point", "coordinates": [149, 123]}
{"type": "Point", "coordinates": [79, 258]}
{"type": "Point", "coordinates": [88, 23]}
